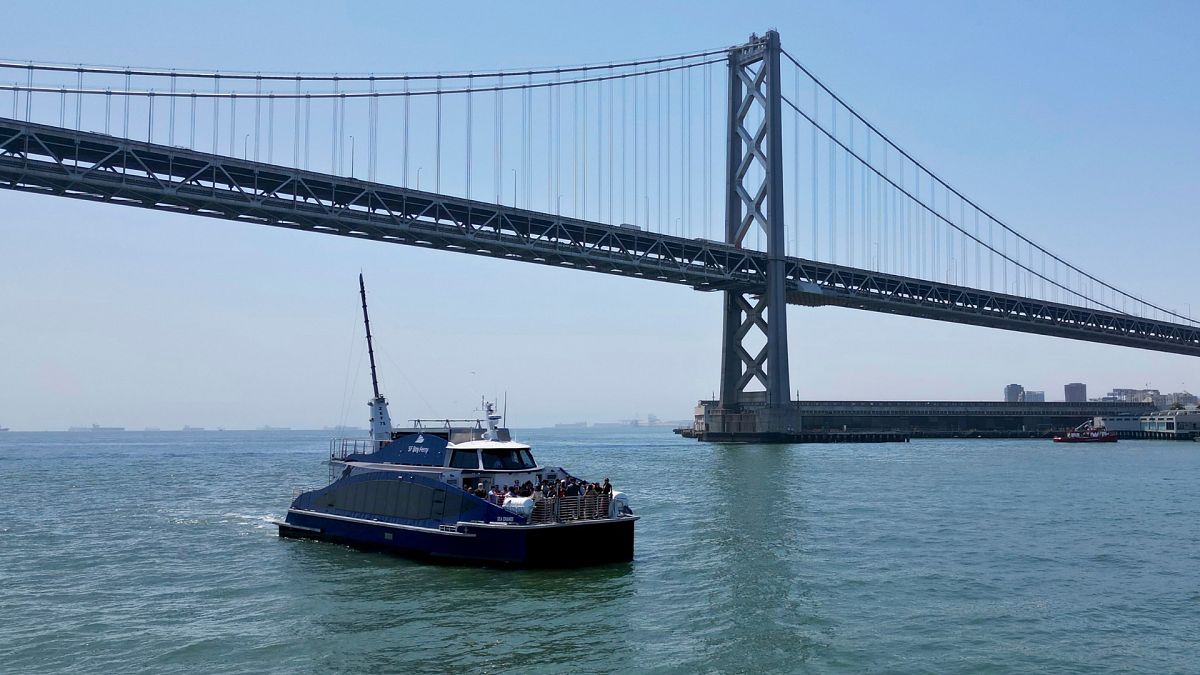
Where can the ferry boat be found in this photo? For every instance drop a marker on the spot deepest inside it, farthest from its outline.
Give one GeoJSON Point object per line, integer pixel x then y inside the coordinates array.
{"type": "Point", "coordinates": [459, 490]}
{"type": "Point", "coordinates": [1087, 432]}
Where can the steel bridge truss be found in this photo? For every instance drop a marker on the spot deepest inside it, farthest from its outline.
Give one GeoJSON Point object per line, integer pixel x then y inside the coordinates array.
{"type": "Point", "coordinates": [97, 167]}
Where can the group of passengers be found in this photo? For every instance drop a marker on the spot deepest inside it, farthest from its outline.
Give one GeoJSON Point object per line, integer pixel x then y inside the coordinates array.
{"type": "Point", "coordinates": [545, 490]}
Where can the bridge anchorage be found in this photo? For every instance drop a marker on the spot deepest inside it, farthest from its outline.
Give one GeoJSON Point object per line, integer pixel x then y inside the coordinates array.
{"type": "Point", "coordinates": [628, 160]}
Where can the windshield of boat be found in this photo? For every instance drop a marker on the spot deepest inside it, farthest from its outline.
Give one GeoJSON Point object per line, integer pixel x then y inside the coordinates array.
{"type": "Point", "coordinates": [464, 459]}
{"type": "Point", "coordinates": [497, 458]}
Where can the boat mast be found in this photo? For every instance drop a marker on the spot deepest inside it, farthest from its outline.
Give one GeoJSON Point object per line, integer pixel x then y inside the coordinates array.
{"type": "Point", "coordinates": [381, 421]}
{"type": "Point", "coordinates": [362, 291]}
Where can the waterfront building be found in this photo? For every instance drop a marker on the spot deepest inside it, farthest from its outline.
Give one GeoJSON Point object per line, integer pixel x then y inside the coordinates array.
{"type": "Point", "coordinates": [1030, 396]}
{"type": "Point", "coordinates": [1076, 392]}
{"type": "Point", "coordinates": [1013, 392]}
{"type": "Point", "coordinates": [1161, 424]}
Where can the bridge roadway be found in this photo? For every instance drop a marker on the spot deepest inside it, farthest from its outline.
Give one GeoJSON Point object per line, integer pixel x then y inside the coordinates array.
{"type": "Point", "coordinates": [93, 166]}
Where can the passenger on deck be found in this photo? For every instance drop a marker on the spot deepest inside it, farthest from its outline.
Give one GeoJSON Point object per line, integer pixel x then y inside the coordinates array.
{"type": "Point", "coordinates": [479, 491]}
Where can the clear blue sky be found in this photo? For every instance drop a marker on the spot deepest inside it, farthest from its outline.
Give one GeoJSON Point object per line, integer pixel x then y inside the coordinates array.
{"type": "Point", "coordinates": [1073, 121]}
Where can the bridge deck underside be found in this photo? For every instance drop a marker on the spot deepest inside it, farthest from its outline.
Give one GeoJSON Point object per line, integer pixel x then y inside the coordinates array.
{"type": "Point", "coordinates": [93, 166]}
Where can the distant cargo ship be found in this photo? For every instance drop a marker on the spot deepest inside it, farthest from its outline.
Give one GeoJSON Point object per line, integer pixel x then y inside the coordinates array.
{"type": "Point", "coordinates": [96, 427]}
{"type": "Point", "coordinates": [3, 429]}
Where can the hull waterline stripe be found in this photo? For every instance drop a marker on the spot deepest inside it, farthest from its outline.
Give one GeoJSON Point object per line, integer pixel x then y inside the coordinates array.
{"type": "Point", "coordinates": [378, 523]}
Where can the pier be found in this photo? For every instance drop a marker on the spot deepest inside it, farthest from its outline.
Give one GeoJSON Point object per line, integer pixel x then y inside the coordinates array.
{"type": "Point", "coordinates": [889, 421]}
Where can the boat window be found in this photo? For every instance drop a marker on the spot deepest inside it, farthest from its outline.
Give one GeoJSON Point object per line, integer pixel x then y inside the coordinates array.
{"type": "Point", "coordinates": [507, 459]}
{"type": "Point", "coordinates": [464, 459]}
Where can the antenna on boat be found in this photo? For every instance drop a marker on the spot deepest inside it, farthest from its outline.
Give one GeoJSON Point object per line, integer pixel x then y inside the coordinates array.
{"type": "Point", "coordinates": [381, 421]}
{"type": "Point", "coordinates": [505, 418]}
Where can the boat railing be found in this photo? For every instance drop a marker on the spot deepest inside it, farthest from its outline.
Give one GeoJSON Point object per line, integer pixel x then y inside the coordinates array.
{"type": "Point", "coordinates": [341, 448]}
{"type": "Point", "coordinates": [298, 490]}
{"type": "Point", "coordinates": [565, 509]}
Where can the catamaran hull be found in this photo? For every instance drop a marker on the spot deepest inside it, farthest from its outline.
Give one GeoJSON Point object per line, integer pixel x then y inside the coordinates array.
{"type": "Point", "coordinates": [585, 543]}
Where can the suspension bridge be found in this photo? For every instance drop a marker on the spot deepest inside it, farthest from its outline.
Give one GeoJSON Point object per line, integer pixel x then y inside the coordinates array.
{"type": "Point", "coordinates": [732, 170]}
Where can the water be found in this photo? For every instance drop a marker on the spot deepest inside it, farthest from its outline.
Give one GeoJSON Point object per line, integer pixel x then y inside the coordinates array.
{"type": "Point", "coordinates": [152, 552]}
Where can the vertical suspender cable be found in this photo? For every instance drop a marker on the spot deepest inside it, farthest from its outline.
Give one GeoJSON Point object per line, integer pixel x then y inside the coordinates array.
{"type": "Point", "coordinates": [815, 197]}
{"type": "Point", "coordinates": [296, 127]}
{"type": "Point", "coordinates": [192, 134]}
{"type": "Point", "coordinates": [334, 136]}
{"type": "Point", "coordinates": [795, 250]}
{"type": "Point", "coordinates": [557, 103]}
{"type": "Point", "coordinates": [668, 120]}
{"type": "Point", "coordinates": [646, 152]}
{"type": "Point", "coordinates": [659, 170]}
{"type": "Point", "coordinates": [171, 131]}
{"type": "Point", "coordinates": [500, 140]}
{"type": "Point", "coordinates": [624, 147]}
{"type": "Point", "coordinates": [233, 124]}
{"type": "Point", "coordinates": [850, 199]}
{"type": "Point", "coordinates": [833, 187]}
{"type": "Point", "coordinates": [470, 100]}
{"type": "Point", "coordinates": [707, 190]}
{"type": "Point", "coordinates": [636, 146]}
{"type": "Point", "coordinates": [79, 97]}
{"type": "Point", "coordinates": [575, 151]}
{"type": "Point", "coordinates": [307, 130]}
{"type": "Point", "coordinates": [437, 162]}
{"type": "Point", "coordinates": [611, 84]}
{"type": "Point", "coordinates": [497, 141]}
{"type": "Point", "coordinates": [29, 95]}
{"type": "Point", "coordinates": [404, 170]}
{"type": "Point", "coordinates": [257, 114]}
{"type": "Point", "coordinates": [583, 139]}
{"type": "Point", "coordinates": [600, 151]}
{"type": "Point", "coordinates": [270, 128]}
{"type": "Point", "coordinates": [687, 151]}
{"type": "Point", "coordinates": [216, 111]}
{"type": "Point", "coordinates": [125, 130]}
{"type": "Point", "coordinates": [341, 135]}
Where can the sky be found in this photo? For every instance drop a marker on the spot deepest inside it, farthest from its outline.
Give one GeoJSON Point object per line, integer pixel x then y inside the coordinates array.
{"type": "Point", "coordinates": [1073, 121]}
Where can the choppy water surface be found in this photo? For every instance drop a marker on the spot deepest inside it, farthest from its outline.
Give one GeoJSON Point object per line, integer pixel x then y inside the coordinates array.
{"type": "Point", "coordinates": [153, 552]}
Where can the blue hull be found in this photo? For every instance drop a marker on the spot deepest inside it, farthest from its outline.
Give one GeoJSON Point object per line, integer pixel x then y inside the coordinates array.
{"type": "Point", "coordinates": [583, 543]}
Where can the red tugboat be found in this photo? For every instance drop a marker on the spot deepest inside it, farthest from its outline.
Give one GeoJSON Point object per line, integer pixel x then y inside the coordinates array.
{"type": "Point", "coordinates": [1087, 432]}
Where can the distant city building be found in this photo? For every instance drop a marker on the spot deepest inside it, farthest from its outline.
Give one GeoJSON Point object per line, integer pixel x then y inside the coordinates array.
{"type": "Point", "coordinates": [1030, 396]}
{"type": "Point", "coordinates": [1076, 392]}
{"type": "Point", "coordinates": [1180, 398]}
{"type": "Point", "coordinates": [1013, 392]}
{"type": "Point", "coordinates": [1132, 395]}
{"type": "Point", "coordinates": [1160, 400]}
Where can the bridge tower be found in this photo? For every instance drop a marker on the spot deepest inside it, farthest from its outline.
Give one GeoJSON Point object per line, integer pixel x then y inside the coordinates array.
{"type": "Point", "coordinates": [754, 199]}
